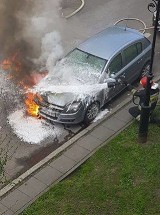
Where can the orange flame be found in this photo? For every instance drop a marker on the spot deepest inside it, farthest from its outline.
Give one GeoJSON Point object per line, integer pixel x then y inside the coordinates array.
{"type": "Point", "coordinates": [14, 66]}
{"type": "Point", "coordinates": [6, 64]}
{"type": "Point", "coordinates": [31, 107]}
{"type": "Point", "coordinates": [12, 63]}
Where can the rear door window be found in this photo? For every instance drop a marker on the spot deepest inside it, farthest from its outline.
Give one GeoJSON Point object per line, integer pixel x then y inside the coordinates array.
{"type": "Point", "coordinates": [132, 52]}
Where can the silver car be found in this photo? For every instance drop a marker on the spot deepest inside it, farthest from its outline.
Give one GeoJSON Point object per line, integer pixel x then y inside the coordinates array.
{"type": "Point", "coordinates": [110, 54]}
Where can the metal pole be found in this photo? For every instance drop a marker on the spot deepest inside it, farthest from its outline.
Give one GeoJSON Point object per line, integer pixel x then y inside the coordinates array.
{"type": "Point", "coordinates": [145, 109]}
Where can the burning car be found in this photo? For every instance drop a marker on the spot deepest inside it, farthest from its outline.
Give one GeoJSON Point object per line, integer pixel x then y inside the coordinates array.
{"type": "Point", "coordinates": [79, 87]}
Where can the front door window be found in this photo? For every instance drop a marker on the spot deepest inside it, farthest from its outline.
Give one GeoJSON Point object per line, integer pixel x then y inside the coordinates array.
{"type": "Point", "coordinates": [115, 65]}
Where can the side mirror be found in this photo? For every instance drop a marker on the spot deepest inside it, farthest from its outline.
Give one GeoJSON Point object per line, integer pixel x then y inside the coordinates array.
{"type": "Point", "coordinates": [111, 82]}
{"type": "Point", "coordinates": [112, 75]}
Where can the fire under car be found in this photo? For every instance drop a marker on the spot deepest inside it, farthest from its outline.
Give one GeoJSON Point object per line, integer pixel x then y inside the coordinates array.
{"type": "Point", "coordinates": [110, 54]}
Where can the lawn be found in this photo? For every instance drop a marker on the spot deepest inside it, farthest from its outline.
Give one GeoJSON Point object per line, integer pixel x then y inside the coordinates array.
{"type": "Point", "coordinates": [122, 178]}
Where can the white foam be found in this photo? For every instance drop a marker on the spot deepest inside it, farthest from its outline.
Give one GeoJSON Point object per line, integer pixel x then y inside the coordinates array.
{"type": "Point", "coordinates": [101, 114]}
{"type": "Point", "coordinates": [29, 129]}
{"type": "Point", "coordinates": [70, 78]}
{"type": "Point", "coordinates": [76, 89]}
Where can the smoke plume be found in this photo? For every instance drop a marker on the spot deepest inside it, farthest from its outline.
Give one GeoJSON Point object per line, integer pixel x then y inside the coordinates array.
{"type": "Point", "coordinates": [23, 23]}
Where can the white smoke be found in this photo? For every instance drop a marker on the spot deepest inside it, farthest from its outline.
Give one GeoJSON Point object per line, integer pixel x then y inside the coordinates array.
{"type": "Point", "coordinates": [51, 50]}
{"type": "Point", "coordinates": [38, 18]}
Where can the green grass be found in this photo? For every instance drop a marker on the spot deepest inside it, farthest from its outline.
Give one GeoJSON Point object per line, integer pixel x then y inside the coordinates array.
{"type": "Point", "coordinates": [122, 178]}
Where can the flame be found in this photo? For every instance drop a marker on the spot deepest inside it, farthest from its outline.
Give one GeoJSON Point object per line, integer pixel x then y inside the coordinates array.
{"type": "Point", "coordinates": [14, 67]}
{"type": "Point", "coordinates": [31, 107]}
{"type": "Point", "coordinates": [12, 64]}
{"type": "Point", "coordinates": [6, 64]}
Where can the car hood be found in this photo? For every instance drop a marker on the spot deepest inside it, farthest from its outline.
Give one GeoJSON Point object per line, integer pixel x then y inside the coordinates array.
{"type": "Point", "coordinates": [62, 95]}
{"type": "Point", "coordinates": [60, 99]}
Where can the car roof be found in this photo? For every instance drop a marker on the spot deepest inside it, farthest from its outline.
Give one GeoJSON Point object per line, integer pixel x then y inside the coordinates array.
{"type": "Point", "coordinates": [109, 41]}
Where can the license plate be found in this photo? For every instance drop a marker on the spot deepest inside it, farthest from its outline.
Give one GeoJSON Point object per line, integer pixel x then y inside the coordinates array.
{"type": "Point", "coordinates": [52, 113]}
{"type": "Point", "coordinates": [49, 112]}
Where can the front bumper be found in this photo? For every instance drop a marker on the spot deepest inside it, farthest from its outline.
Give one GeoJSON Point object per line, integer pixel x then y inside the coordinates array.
{"type": "Point", "coordinates": [55, 113]}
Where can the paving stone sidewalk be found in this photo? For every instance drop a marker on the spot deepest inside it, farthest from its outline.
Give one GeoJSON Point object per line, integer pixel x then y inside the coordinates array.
{"type": "Point", "coordinates": [21, 196]}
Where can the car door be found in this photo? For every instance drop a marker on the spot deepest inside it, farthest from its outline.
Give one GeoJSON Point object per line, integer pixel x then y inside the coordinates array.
{"type": "Point", "coordinates": [115, 70]}
{"type": "Point", "coordinates": [133, 61]}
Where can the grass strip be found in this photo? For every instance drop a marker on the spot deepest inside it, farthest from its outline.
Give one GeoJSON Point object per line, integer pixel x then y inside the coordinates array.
{"type": "Point", "coordinates": [122, 178]}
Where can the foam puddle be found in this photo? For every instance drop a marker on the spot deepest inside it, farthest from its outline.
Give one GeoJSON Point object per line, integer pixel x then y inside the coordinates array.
{"type": "Point", "coordinates": [29, 129]}
{"type": "Point", "coordinates": [101, 115]}
{"type": "Point", "coordinates": [33, 130]}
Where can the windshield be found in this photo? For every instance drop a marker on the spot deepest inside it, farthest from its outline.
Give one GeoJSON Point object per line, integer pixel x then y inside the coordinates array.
{"type": "Point", "coordinates": [77, 68]}
{"type": "Point", "coordinates": [86, 60]}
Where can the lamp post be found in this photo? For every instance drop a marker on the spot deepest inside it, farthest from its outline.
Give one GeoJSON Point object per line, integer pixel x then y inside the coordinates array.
{"type": "Point", "coordinates": [145, 108]}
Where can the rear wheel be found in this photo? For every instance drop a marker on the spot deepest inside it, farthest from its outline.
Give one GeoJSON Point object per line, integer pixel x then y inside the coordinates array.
{"type": "Point", "coordinates": [145, 69]}
{"type": "Point", "coordinates": [91, 113]}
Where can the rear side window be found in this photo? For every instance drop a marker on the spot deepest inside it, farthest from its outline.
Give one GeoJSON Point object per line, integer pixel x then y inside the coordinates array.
{"type": "Point", "coordinates": [115, 65]}
{"type": "Point", "coordinates": [146, 43]}
{"type": "Point", "coordinates": [132, 52]}
{"type": "Point", "coordinates": [139, 47]}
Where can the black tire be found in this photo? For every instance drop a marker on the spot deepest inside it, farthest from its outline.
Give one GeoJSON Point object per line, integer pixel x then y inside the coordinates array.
{"type": "Point", "coordinates": [145, 69]}
{"type": "Point", "coordinates": [91, 112]}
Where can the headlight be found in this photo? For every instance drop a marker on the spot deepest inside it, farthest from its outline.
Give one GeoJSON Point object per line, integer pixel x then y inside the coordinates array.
{"type": "Point", "coordinates": [72, 107]}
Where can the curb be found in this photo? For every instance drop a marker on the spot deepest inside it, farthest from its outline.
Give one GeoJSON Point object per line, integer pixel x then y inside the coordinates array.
{"type": "Point", "coordinates": [66, 145]}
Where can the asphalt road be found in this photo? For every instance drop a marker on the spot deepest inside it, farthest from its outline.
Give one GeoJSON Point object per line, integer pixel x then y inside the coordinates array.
{"type": "Point", "coordinates": [94, 17]}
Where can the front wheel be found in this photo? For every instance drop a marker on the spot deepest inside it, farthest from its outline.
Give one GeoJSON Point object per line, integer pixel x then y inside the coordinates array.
{"type": "Point", "coordinates": [91, 113]}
